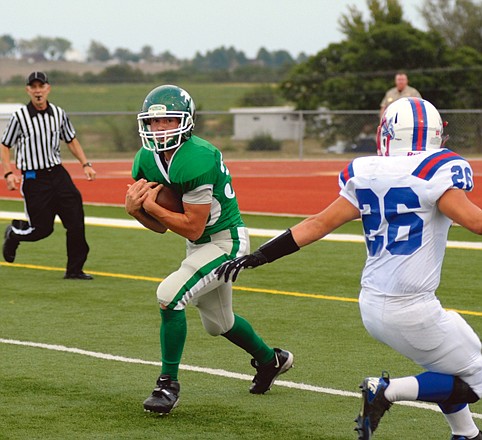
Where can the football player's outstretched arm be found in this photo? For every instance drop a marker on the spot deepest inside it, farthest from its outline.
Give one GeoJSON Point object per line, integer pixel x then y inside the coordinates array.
{"type": "Point", "coordinates": [455, 204]}
{"type": "Point", "coordinates": [313, 228]}
{"type": "Point", "coordinates": [309, 230]}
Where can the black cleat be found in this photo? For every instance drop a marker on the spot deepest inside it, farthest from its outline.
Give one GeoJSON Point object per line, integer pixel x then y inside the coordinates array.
{"type": "Point", "coordinates": [77, 276]}
{"type": "Point", "coordinates": [463, 437]}
{"type": "Point", "coordinates": [10, 245]}
{"type": "Point", "coordinates": [165, 396]}
{"type": "Point", "coordinates": [267, 374]}
{"type": "Point", "coordinates": [374, 405]}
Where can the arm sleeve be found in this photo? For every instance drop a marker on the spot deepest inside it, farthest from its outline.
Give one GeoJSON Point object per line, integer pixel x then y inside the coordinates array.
{"type": "Point", "coordinates": [347, 187]}
{"type": "Point", "coordinates": [202, 195]}
{"type": "Point", "coordinates": [67, 131]}
{"type": "Point", "coordinates": [456, 174]}
{"type": "Point", "coordinates": [11, 132]}
{"type": "Point", "coordinates": [136, 171]}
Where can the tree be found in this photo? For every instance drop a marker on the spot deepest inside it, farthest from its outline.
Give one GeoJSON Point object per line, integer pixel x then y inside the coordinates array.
{"type": "Point", "coordinates": [352, 24]}
{"type": "Point", "coordinates": [264, 57]}
{"type": "Point", "coordinates": [167, 57]}
{"type": "Point", "coordinates": [278, 58]}
{"type": "Point", "coordinates": [219, 59]}
{"type": "Point", "coordinates": [47, 48]}
{"type": "Point", "coordinates": [147, 53]}
{"type": "Point", "coordinates": [57, 48]}
{"type": "Point", "coordinates": [355, 73]}
{"type": "Point", "coordinates": [7, 45]}
{"type": "Point", "coordinates": [125, 55]}
{"type": "Point", "coordinates": [282, 58]}
{"type": "Point", "coordinates": [301, 58]}
{"type": "Point", "coordinates": [459, 21]}
{"type": "Point", "coordinates": [462, 78]}
{"type": "Point", "coordinates": [120, 73]}
{"type": "Point", "coordinates": [98, 52]}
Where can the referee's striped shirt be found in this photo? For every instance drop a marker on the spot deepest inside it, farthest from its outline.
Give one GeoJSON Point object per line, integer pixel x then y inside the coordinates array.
{"type": "Point", "coordinates": [37, 135]}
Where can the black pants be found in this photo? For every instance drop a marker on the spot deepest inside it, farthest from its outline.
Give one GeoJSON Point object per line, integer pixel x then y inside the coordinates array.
{"type": "Point", "coordinates": [48, 193]}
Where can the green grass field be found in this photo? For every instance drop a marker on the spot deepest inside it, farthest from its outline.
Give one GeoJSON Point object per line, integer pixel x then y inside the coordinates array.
{"type": "Point", "coordinates": [129, 97]}
{"type": "Point", "coordinates": [305, 303]}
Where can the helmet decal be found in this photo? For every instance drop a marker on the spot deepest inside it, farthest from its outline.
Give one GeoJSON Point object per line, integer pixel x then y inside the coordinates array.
{"type": "Point", "coordinates": [419, 140]}
{"type": "Point", "coordinates": [185, 95]}
{"type": "Point", "coordinates": [157, 110]}
{"type": "Point", "coordinates": [387, 128]}
{"type": "Point", "coordinates": [385, 132]}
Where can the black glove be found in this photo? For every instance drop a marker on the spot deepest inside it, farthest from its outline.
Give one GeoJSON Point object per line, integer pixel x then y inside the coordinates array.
{"type": "Point", "coordinates": [234, 266]}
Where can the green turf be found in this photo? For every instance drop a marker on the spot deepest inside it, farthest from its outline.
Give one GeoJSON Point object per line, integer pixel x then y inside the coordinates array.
{"type": "Point", "coordinates": [129, 97]}
{"type": "Point", "coordinates": [47, 394]}
{"type": "Point", "coordinates": [253, 221]}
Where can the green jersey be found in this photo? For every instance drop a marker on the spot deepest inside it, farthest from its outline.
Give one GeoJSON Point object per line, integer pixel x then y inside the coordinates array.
{"type": "Point", "coordinates": [194, 166]}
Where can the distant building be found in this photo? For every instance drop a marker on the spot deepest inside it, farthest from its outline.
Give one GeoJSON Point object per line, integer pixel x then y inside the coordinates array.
{"type": "Point", "coordinates": [281, 123]}
{"type": "Point", "coordinates": [75, 55]}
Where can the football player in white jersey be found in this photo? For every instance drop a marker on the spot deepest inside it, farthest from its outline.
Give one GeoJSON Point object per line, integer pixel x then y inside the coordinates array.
{"type": "Point", "coordinates": [407, 198]}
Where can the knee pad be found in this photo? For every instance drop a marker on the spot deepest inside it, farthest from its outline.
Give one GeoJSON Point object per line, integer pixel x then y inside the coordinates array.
{"type": "Point", "coordinates": [213, 328]}
{"type": "Point", "coordinates": [216, 325]}
{"type": "Point", "coordinates": [449, 408]}
{"type": "Point", "coordinates": [462, 393]}
{"type": "Point", "coordinates": [164, 296]}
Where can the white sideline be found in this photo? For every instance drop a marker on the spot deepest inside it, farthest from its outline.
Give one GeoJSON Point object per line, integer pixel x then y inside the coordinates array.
{"type": "Point", "coordinates": [254, 232]}
{"type": "Point", "coordinates": [211, 371]}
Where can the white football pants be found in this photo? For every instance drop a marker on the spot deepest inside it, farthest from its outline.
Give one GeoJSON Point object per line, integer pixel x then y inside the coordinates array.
{"type": "Point", "coordinates": [419, 328]}
{"type": "Point", "coordinates": [195, 282]}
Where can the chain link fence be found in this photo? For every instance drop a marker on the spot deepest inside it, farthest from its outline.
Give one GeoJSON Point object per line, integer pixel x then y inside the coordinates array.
{"type": "Point", "coordinates": [271, 133]}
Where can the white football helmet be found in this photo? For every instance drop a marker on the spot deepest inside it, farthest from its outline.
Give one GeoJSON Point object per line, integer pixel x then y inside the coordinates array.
{"type": "Point", "coordinates": [166, 101]}
{"type": "Point", "coordinates": [409, 126]}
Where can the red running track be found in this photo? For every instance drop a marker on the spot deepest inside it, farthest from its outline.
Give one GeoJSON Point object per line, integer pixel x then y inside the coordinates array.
{"type": "Point", "coordinates": [281, 187]}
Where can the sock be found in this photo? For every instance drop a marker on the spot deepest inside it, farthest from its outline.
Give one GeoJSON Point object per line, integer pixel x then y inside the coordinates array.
{"type": "Point", "coordinates": [461, 421]}
{"type": "Point", "coordinates": [173, 336]}
{"type": "Point", "coordinates": [403, 388]}
{"type": "Point", "coordinates": [434, 387]}
{"type": "Point", "coordinates": [243, 335]}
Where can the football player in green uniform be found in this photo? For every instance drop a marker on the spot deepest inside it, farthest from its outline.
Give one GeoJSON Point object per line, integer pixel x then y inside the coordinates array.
{"type": "Point", "coordinates": [214, 230]}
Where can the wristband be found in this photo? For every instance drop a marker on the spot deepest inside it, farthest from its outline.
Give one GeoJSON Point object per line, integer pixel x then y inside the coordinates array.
{"type": "Point", "coordinates": [7, 174]}
{"type": "Point", "coordinates": [86, 164]}
{"type": "Point", "coordinates": [279, 246]}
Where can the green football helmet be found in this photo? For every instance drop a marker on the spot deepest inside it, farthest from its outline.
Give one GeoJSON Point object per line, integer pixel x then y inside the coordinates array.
{"type": "Point", "coordinates": [166, 101]}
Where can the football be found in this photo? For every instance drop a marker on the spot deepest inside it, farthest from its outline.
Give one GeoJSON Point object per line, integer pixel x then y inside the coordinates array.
{"type": "Point", "coordinates": [169, 199]}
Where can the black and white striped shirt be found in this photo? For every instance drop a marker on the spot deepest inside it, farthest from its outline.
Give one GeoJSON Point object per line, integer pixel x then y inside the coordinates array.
{"type": "Point", "coordinates": [37, 135]}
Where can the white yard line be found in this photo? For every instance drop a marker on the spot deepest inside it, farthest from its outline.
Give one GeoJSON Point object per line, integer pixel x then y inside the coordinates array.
{"type": "Point", "coordinates": [211, 371]}
{"type": "Point", "coordinates": [255, 232]}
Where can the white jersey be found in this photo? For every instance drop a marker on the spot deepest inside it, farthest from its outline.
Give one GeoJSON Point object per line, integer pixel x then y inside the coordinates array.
{"type": "Point", "coordinates": [405, 233]}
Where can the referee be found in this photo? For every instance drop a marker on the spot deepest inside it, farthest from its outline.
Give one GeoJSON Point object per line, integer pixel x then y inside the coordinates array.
{"type": "Point", "coordinates": [36, 130]}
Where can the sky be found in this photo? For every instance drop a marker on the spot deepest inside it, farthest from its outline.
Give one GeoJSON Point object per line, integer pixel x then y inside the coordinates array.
{"type": "Point", "coordinates": [184, 27]}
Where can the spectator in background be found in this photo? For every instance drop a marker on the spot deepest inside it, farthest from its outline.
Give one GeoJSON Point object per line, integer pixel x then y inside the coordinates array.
{"type": "Point", "coordinates": [401, 90]}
